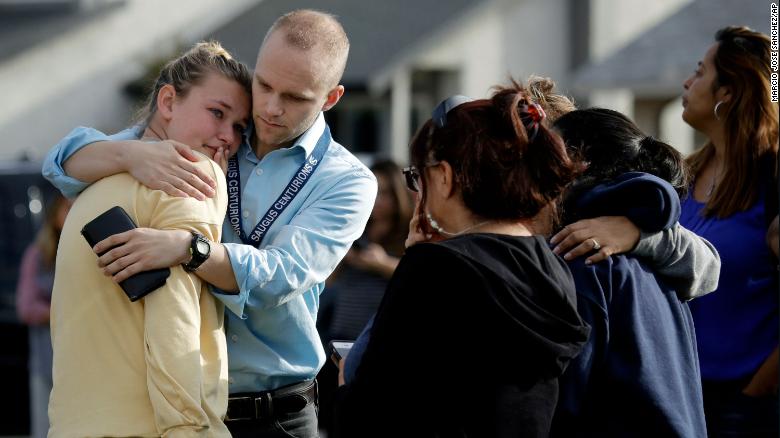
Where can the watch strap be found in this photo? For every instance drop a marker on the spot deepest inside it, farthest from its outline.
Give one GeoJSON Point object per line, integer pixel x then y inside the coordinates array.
{"type": "Point", "coordinates": [196, 257]}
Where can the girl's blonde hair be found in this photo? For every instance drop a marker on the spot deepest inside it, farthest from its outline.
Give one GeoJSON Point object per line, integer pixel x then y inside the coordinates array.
{"type": "Point", "coordinates": [191, 68]}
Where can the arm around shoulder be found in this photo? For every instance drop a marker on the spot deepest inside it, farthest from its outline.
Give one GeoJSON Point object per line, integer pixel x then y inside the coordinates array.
{"type": "Point", "coordinates": [73, 176]}
{"type": "Point", "coordinates": [688, 261]}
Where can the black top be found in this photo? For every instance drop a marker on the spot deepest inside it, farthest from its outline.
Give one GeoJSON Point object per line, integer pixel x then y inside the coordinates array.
{"type": "Point", "coordinates": [469, 340]}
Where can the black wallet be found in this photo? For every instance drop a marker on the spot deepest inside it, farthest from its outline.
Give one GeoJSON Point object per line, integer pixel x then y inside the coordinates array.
{"type": "Point", "coordinates": [115, 221]}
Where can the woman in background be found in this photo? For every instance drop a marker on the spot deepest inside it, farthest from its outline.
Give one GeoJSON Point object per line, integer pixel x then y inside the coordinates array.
{"type": "Point", "coordinates": [732, 202]}
{"type": "Point", "coordinates": [33, 302]}
{"type": "Point", "coordinates": [359, 283]}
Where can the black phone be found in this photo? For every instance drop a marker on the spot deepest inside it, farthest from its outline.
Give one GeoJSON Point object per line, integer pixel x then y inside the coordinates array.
{"type": "Point", "coordinates": [114, 221]}
{"type": "Point", "coordinates": [339, 350]}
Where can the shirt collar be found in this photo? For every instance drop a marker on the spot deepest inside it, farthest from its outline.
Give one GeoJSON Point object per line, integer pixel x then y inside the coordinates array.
{"type": "Point", "coordinates": [307, 141]}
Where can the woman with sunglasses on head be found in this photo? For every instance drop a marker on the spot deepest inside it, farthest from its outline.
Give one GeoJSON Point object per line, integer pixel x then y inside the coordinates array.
{"type": "Point", "coordinates": [732, 202]}
{"type": "Point", "coordinates": [484, 297]}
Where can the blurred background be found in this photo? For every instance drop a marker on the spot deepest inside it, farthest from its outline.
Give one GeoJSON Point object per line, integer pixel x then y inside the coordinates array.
{"type": "Point", "coordinates": [65, 63]}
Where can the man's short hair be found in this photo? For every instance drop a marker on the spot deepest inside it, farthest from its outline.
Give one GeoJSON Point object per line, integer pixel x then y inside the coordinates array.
{"type": "Point", "coordinates": [308, 29]}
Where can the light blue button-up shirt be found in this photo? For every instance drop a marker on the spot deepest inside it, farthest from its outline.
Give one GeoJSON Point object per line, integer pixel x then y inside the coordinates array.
{"type": "Point", "coordinates": [271, 334]}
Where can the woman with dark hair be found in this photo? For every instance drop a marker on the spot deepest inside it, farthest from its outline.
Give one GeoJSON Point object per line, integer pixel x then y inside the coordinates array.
{"type": "Point", "coordinates": [733, 200]}
{"type": "Point", "coordinates": [638, 374]}
{"type": "Point", "coordinates": [686, 261]}
{"type": "Point", "coordinates": [483, 296]}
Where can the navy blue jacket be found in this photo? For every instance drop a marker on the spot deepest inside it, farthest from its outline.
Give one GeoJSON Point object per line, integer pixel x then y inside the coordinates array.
{"type": "Point", "coordinates": [638, 374]}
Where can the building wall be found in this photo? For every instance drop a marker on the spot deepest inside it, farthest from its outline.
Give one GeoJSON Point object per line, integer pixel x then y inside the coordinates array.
{"type": "Point", "coordinates": [495, 41]}
{"type": "Point", "coordinates": [613, 25]}
{"type": "Point", "coordinates": [536, 37]}
{"type": "Point", "coordinates": [76, 79]}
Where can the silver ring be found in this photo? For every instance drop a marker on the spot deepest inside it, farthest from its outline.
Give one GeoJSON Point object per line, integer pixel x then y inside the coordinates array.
{"type": "Point", "coordinates": [596, 244]}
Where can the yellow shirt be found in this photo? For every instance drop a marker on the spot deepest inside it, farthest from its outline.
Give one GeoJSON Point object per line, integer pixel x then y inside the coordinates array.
{"type": "Point", "coordinates": [155, 367]}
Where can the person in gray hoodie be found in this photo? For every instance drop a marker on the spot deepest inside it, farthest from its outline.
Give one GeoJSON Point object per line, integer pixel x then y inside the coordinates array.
{"type": "Point", "coordinates": [638, 374]}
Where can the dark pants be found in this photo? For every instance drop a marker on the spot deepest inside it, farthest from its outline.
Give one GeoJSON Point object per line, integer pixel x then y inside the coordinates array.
{"type": "Point", "coordinates": [286, 412]}
{"type": "Point", "coordinates": [301, 424]}
{"type": "Point", "coordinates": [730, 413]}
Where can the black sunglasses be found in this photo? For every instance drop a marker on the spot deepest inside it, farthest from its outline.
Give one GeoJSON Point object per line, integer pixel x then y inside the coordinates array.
{"type": "Point", "coordinates": [412, 177]}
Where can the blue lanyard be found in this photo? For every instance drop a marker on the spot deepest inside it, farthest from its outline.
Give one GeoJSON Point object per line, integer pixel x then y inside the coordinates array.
{"type": "Point", "coordinates": [301, 177]}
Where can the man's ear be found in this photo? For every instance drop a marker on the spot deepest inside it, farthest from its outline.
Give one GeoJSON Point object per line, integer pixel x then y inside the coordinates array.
{"type": "Point", "coordinates": [165, 99]}
{"type": "Point", "coordinates": [333, 97]}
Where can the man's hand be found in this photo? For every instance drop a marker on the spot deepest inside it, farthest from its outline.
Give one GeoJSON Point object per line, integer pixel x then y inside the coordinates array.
{"type": "Point", "coordinates": [142, 249]}
{"type": "Point", "coordinates": [607, 235]}
{"type": "Point", "coordinates": [167, 166]}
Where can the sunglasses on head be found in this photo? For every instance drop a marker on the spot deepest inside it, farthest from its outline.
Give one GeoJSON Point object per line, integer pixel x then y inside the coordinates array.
{"type": "Point", "coordinates": [439, 120]}
{"type": "Point", "coordinates": [439, 114]}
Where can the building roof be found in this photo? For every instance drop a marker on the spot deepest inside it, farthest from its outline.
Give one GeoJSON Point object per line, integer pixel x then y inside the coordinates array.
{"type": "Point", "coordinates": [379, 31]}
{"type": "Point", "coordinates": [658, 61]}
{"type": "Point", "coordinates": [23, 26]}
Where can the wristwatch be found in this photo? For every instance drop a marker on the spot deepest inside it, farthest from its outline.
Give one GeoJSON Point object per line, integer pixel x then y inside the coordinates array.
{"type": "Point", "coordinates": [200, 248]}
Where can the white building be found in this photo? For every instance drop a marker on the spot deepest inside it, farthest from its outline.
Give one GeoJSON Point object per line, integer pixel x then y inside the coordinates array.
{"type": "Point", "coordinates": [65, 63]}
{"type": "Point", "coordinates": [60, 70]}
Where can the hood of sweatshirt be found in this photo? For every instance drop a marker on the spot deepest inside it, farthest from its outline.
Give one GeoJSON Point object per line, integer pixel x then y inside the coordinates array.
{"type": "Point", "coordinates": [648, 201]}
{"type": "Point", "coordinates": [533, 296]}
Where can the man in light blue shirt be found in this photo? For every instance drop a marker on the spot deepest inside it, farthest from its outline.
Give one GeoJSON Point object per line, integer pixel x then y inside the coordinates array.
{"type": "Point", "coordinates": [297, 201]}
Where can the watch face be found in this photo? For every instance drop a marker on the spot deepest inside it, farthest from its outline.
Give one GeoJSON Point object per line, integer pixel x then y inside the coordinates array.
{"type": "Point", "coordinates": [203, 247]}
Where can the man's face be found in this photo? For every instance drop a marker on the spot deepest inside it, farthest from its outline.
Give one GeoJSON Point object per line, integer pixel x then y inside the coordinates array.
{"type": "Point", "coordinates": [287, 92]}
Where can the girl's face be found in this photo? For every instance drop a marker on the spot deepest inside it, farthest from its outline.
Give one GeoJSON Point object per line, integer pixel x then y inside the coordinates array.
{"type": "Point", "coordinates": [211, 115]}
{"type": "Point", "coordinates": [699, 97]}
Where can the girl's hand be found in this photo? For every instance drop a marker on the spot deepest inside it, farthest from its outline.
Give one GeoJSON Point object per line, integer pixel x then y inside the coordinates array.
{"type": "Point", "coordinates": [221, 158]}
{"type": "Point", "coordinates": [606, 235]}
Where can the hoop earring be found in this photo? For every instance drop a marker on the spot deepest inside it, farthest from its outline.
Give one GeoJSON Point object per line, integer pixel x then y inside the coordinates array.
{"type": "Point", "coordinates": [715, 110]}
